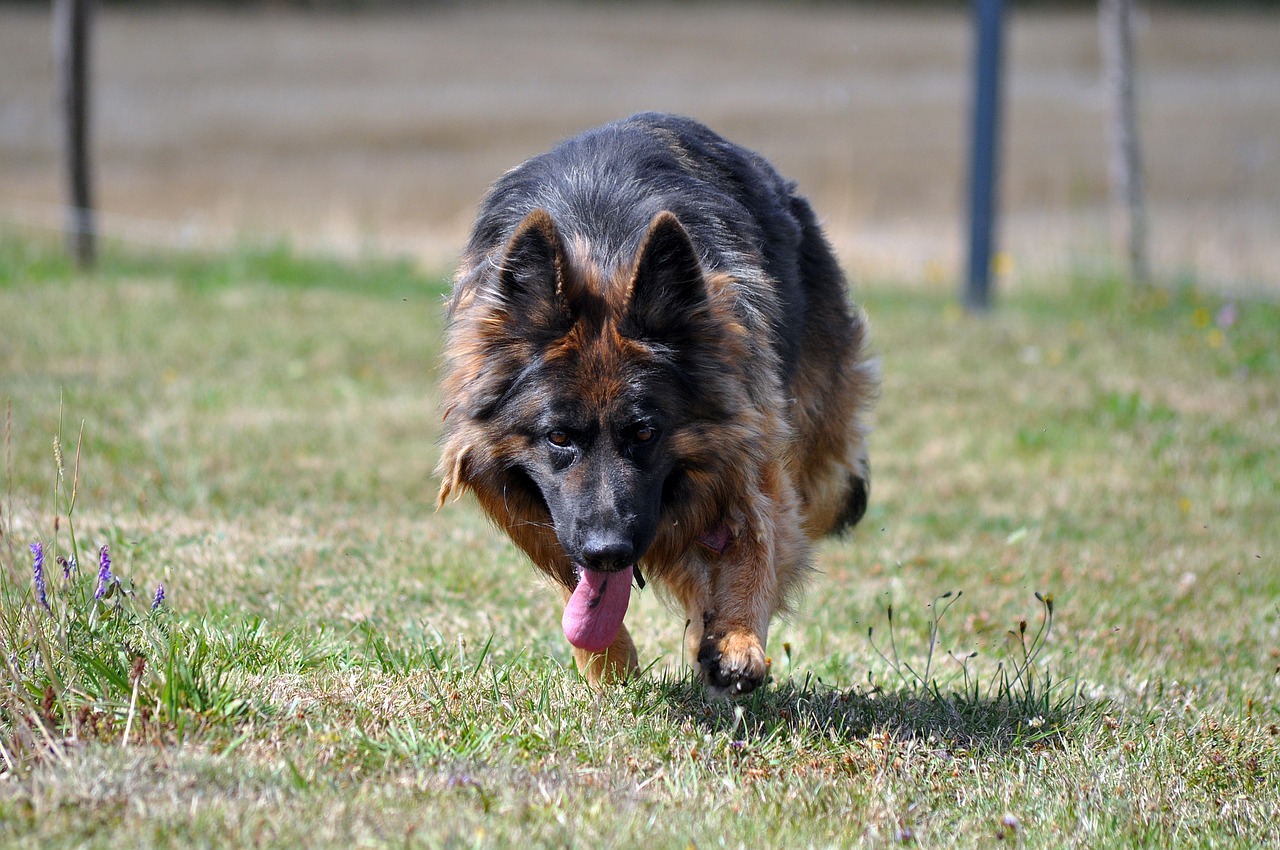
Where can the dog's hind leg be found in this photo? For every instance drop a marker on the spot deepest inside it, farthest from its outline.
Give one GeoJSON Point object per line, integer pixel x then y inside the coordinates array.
{"type": "Point", "coordinates": [690, 583]}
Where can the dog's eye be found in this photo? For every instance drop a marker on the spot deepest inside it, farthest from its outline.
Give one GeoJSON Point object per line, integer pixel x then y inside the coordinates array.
{"type": "Point", "coordinates": [559, 439]}
{"type": "Point", "coordinates": [644, 434]}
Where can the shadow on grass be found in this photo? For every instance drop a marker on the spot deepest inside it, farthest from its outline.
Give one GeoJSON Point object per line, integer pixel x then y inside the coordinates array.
{"type": "Point", "coordinates": [1016, 705]}
{"type": "Point", "coordinates": [959, 720]}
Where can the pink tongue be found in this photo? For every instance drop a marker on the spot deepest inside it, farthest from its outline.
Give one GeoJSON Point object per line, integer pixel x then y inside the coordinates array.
{"type": "Point", "coordinates": [594, 613]}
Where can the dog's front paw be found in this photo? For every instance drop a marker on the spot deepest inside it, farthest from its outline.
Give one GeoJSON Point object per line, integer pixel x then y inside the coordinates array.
{"type": "Point", "coordinates": [733, 664]}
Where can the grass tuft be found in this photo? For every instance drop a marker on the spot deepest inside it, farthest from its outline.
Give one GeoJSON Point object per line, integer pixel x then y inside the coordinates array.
{"type": "Point", "coordinates": [87, 658]}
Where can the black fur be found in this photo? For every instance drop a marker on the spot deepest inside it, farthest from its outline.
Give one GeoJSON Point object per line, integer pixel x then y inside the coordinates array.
{"type": "Point", "coordinates": [610, 182]}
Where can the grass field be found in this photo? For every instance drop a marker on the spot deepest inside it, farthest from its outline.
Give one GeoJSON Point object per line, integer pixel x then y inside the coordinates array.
{"type": "Point", "coordinates": [334, 665]}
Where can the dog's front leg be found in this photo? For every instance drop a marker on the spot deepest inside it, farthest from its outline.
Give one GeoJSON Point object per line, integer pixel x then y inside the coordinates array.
{"type": "Point", "coordinates": [748, 580]}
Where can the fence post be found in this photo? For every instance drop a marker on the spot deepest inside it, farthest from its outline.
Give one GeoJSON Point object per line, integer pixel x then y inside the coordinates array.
{"type": "Point", "coordinates": [1115, 25]}
{"type": "Point", "coordinates": [985, 150]}
{"type": "Point", "coordinates": [72, 30]}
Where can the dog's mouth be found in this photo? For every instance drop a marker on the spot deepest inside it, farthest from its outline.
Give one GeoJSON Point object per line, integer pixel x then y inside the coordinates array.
{"type": "Point", "coordinates": [595, 610]}
{"type": "Point", "coordinates": [593, 615]}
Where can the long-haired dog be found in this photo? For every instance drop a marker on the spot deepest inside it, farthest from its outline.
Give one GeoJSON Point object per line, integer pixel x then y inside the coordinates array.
{"type": "Point", "coordinates": [653, 370]}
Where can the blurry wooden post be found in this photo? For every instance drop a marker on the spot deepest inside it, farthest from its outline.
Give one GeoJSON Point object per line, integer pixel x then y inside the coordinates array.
{"type": "Point", "coordinates": [72, 23]}
{"type": "Point", "coordinates": [1115, 24]}
{"type": "Point", "coordinates": [989, 23]}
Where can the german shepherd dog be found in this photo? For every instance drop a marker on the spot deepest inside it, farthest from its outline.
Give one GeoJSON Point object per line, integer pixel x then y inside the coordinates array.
{"type": "Point", "coordinates": [652, 363]}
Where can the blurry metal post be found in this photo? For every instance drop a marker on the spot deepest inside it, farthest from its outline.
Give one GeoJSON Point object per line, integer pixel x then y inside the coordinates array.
{"type": "Point", "coordinates": [989, 23]}
{"type": "Point", "coordinates": [72, 28]}
{"type": "Point", "coordinates": [1115, 24]}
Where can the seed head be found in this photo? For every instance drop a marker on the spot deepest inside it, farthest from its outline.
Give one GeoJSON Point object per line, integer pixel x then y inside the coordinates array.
{"type": "Point", "coordinates": [57, 457]}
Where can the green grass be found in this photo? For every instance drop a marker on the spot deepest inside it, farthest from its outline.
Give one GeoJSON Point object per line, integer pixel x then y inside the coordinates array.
{"type": "Point", "coordinates": [336, 665]}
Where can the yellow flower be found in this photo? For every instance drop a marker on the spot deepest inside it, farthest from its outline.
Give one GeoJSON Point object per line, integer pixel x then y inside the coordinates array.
{"type": "Point", "coordinates": [1002, 264]}
{"type": "Point", "coordinates": [934, 273]}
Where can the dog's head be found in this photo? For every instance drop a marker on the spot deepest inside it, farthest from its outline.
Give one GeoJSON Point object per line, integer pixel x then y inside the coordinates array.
{"type": "Point", "coordinates": [586, 392]}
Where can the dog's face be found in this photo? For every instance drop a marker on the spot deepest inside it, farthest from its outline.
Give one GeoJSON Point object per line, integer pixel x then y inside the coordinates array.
{"type": "Point", "coordinates": [590, 384]}
{"type": "Point", "coordinates": [599, 469]}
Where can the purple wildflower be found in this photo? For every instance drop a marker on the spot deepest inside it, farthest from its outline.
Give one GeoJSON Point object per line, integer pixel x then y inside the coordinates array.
{"type": "Point", "coordinates": [155, 603]}
{"type": "Point", "coordinates": [37, 567]}
{"type": "Point", "coordinates": [67, 564]}
{"type": "Point", "coordinates": [1227, 315]}
{"type": "Point", "coordinates": [104, 572]}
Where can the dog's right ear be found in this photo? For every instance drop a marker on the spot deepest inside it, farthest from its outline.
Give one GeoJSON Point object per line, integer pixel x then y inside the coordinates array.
{"type": "Point", "coordinates": [531, 277]}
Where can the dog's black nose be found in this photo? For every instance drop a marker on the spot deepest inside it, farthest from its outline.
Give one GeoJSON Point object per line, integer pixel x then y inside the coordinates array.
{"type": "Point", "coordinates": [606, 551]}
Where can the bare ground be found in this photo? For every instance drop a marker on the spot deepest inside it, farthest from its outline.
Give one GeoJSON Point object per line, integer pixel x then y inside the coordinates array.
{"type": "Point", "coordinates": [381, 131]}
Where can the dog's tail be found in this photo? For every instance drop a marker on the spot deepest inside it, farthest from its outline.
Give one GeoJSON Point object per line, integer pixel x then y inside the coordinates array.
{"type": "Point", "coordinates": [859, 494]}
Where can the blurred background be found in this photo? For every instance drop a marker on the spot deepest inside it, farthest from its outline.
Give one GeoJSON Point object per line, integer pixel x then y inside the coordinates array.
{"type": "Point", "coordinates": [376, 128]}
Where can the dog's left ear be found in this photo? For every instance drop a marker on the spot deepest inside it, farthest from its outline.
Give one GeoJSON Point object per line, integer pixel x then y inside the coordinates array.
{"type": "Point", "coordinates": [667, 299]}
